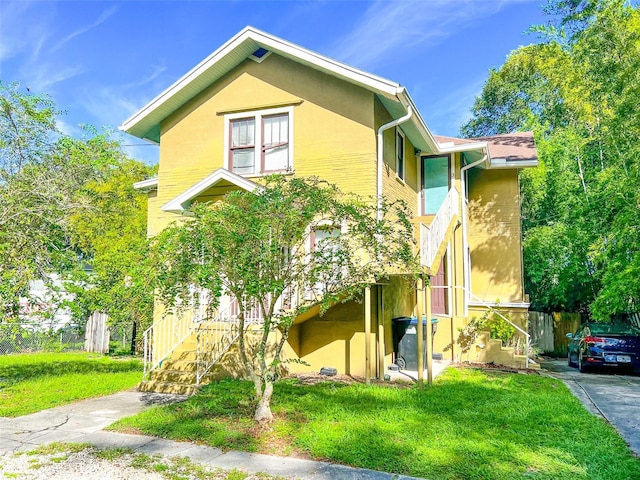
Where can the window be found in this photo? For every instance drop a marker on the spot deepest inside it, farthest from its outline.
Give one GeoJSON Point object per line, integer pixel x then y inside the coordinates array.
{"type": "Point", "coordinates": [275, 143]}
{"type": "Point", "coordinates": [435, 183]}
{"type": "Point", "coordinates": [323, 238]}
{"type": "Point", "coordinates": [400, 154]}
{"type": "Point", "coordinates": [259, 142]}
{"type": "Point", "coordinates": [324, 244]}
{"type": "Point", "coordinates": [242, 148]}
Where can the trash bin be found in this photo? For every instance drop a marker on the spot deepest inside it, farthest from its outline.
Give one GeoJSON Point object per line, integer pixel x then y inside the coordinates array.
{"type": "Point", "coordinates": [405, 341]}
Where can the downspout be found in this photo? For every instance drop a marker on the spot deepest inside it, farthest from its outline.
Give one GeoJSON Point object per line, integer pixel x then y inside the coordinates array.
{"type": "Point", "coordinates": [380, 152]}
{"type": "Point", "coordinates": [380, 165]}
{"type": "Point", "coordinates": [465, 241]}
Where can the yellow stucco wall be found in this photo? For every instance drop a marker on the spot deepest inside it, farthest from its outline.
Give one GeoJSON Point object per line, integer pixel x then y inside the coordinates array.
{"type": "Point", "coordinates": [393, 188]}
{"type": "Point", "coordinates": [495, 235]}
{"type": "Point", "coordinates": [337, 338]}
{"type": "Point", "coordinates": [333, 135]}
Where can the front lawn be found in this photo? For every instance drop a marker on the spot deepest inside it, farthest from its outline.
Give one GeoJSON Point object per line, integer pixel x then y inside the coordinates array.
{"type": "Point", "coordinates": [33, 382]}
{"type": "Point", "coordinates": [471, 424]}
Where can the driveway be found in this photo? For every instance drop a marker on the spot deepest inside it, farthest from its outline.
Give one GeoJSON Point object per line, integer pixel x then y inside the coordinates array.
{"type": "Point", "coordinates": [610, 394]}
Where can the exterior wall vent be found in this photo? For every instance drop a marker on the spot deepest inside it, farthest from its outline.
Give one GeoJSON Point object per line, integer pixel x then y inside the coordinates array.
{"type": "Point", "coordinates": [260, 54]}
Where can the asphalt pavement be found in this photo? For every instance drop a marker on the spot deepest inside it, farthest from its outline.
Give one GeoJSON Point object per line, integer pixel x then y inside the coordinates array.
{"type": "Point", "coordinates": [611, 394]}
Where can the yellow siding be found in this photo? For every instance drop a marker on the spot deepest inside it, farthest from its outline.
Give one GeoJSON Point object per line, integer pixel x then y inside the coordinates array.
{"type": "Point", "coordinates": [393, 188]}
{"type": "Point", "coordinates": [337, 338]}
{"type": "Point", "coordinates": [495, 235]}
{"type": "Point", "coordinates": [333, 135]}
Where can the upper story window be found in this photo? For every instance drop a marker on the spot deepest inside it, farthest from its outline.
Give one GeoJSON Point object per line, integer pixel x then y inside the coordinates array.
{"type": "Point", "coordinates": [259, 142]}
{"type": "Point", "coordinates": [400, 154]}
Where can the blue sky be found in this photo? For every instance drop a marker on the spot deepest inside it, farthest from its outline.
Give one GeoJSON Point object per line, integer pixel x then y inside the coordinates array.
{"type": "Point", "coordinates": [101, 61]}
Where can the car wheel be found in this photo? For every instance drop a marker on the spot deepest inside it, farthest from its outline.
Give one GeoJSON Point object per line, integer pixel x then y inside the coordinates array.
{"type": "Point", "coordinates": [569, 361]}
{"type": "Point", "coordinates": [581, 366]}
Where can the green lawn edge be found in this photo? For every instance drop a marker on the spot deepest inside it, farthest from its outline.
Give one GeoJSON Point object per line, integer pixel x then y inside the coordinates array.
{"type": "Point", "coordinates": [471, 424]}
{"type": "Point", "coordinates": [33, 382]}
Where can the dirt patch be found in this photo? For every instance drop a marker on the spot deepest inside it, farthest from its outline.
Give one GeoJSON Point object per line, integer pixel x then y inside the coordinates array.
{"type": "Point", "coordinates": [496, 367]}
{"type": "Point", "coordinates": [315, 378]}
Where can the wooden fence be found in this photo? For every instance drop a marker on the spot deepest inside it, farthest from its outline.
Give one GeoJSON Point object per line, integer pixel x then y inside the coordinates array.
{"type": "Point", "coordinates": [97, 333]}
{"type": "Point", "coordinates": [549, 331]}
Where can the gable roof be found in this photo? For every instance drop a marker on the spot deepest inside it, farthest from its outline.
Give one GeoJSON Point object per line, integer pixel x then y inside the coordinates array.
{"type": "Point", "coordinates": [220, 177]}
{"type": "Point", "coordinates": [145, 123]}
{"type": "Point", "coordinates": [257, 45]}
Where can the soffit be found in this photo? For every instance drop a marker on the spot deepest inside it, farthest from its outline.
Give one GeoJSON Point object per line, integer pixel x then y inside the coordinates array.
{"type": "Point", "coordinates": [146, 122]}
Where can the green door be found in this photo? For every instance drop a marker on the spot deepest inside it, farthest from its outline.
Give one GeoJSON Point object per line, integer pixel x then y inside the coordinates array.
{"type": "Point", "coordinates": [435, 183]}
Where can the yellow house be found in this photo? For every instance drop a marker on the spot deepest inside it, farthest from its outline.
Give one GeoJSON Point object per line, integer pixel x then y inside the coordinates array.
{"type": "Point", "coordinates": [259, 105]}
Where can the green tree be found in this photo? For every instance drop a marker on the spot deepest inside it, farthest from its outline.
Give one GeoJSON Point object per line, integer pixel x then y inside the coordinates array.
{"type": "Point", "coordinates": [40, 188]}
{"type": "Point", "coordinates": [255, 247]}
{"type": "Point", "coordinates": [110, 238]}
{"type": "Point", "coordinates": [67, 202]}
{"type": "Point", "coordinates": [578, 91]}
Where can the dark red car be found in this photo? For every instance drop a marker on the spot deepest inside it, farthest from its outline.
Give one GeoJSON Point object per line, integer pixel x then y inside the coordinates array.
{"type": "Point", "coordinates": [605, 345]}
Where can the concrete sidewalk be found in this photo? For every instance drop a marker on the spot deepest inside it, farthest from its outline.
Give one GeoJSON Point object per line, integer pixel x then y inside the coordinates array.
{"type": "Point", "coordinates": [84, 421]}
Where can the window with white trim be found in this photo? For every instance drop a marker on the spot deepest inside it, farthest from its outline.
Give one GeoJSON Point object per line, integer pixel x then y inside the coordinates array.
{"type": "Point", "coordinates": [324, 243]}
{"type": "Point", "coordinates": [400, 154]}
{"type": "Point", "coordinates": [259, 142]}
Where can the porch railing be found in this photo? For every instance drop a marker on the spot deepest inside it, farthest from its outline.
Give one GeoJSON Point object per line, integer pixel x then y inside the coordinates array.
{"type": "Point", "coordinates": [432, 236]}
{"type": "Point", "coordinates": [215, 333]}
{"type": "Point", "coordinates": [164, 336]}
{"type": "Point", "coordinates": [215, 337]}
{"type": "Point", "coordinates": [527, 336]}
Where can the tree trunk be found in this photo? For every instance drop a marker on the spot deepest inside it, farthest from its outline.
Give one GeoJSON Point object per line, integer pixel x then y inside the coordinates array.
{"type": "Point", "coordinates": [263, 410]}
{"type": "Point", "coordinates": [134, 335]}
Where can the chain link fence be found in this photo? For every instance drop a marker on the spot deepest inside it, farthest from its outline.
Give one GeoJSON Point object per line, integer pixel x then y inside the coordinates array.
{"type": "Point", "coordinates": [34, 337]}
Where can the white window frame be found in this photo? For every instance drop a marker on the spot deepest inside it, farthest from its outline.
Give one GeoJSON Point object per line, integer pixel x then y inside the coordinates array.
{"type": "Point", "coordinates": [401, 163]}
{"type": "Point", "coordinates": [257, 115]}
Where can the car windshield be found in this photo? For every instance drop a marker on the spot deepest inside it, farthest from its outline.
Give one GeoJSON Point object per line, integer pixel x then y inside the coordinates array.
{"type": "Point", "coordinates": [613, 329]}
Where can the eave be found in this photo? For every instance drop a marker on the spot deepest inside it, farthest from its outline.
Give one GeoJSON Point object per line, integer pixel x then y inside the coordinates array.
{"type": "Point", "coordinates": [145, 123]}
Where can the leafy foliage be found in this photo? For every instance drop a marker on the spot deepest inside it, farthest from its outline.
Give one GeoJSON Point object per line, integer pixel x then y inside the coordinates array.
{"type": "Point", "coordinates": [65, 203]}
{"type": "Point", "coordinates": [257, 246]}
{"type": "Point", "coordinates": [578, 91]}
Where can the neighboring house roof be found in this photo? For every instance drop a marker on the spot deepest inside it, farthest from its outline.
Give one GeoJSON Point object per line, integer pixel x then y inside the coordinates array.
{"type": "Point", "coordinates": [221, 177]}
{"type": "Point", "coordinates": [512, 150]}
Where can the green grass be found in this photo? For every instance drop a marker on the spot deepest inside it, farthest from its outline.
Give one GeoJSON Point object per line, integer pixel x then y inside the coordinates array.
{"type": "Point", "coordinates": [33, 382]}
{"type": "Point", "coordinates": [470, 424]}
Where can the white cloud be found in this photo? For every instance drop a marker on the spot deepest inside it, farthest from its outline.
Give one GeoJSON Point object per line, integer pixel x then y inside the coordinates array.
{"type": "Point", "coordinates": [101, 19]}
{"type": "Point", "coordinates": [446, 115]}
{"type": "Point", "coordinates": [40, 77]}
{"type": "Point", "coordinates": [15, 39]}
{"type": "Point", "coordinates": [389, 28]}
{"type": "Point", "coordinates": [157, 70]}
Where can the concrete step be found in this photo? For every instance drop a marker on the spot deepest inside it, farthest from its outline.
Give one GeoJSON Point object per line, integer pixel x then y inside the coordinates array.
{"type": "Point", "coordinates": [179, 365]}
{"type": "Point", "coordinates": [167, 387]}
{"type": "Point", "coordinates": [180, 354]}
{"type": "Point", "coordinates": [173, 376]}
{"type": "Point", "coordinates": [521, 361]}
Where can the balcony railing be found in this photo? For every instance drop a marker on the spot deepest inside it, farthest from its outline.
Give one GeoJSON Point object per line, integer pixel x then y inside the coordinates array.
{"type": "Point", "coordinates": [432, 236]}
